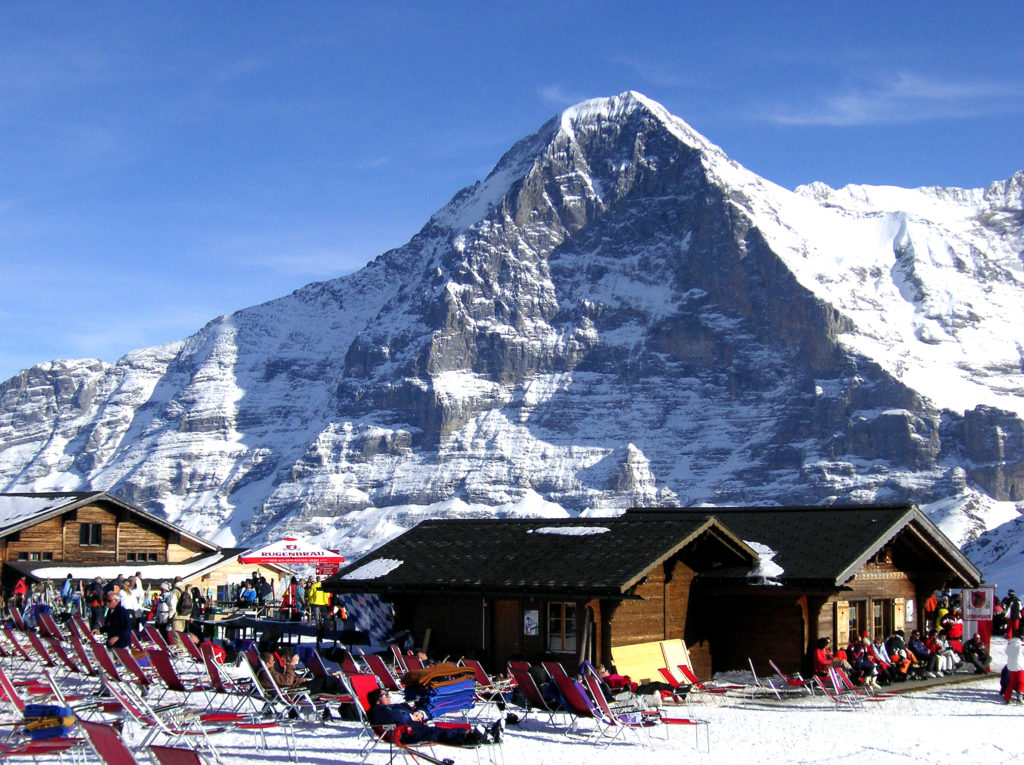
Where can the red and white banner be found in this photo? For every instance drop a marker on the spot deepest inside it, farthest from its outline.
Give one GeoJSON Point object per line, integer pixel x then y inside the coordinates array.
{"type": "Point", "coordinates": [979, 609]}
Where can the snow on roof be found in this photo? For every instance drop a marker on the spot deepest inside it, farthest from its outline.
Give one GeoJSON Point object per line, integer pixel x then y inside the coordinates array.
{"type": "Point", "coordinates": [374, 569]}
{"type": "Point", "coordinates": [570, 531]}
{"type": "Point", "coordinates": [17, 509]}
{"type": "Point", "coordinates": [766, 570]}
{"type": "Point", "coordinates": [186, 569]}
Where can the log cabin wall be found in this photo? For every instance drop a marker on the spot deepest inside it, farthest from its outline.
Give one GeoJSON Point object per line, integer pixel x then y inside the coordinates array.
{"type": "Point", "coordinates": [224, 578]}
{"type": "Point", "coordinates": [179, 549]}
{"type": "Point", "coordinates": [643, 620]}
{"type": "Point", "coordinates": [139, 543]}
{"type": "Point", "coordinates": [43, 541]}
{"type": "Point", "coordinates": [100, 535]}
{"type": "Point", "coordinates": [677, 599]}
{"type": "Point", "coordinates": [91, 517]}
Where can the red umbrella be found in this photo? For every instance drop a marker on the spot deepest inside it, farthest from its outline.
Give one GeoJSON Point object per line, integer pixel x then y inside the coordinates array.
{"type": "Point", "coordinates": [288, 551]}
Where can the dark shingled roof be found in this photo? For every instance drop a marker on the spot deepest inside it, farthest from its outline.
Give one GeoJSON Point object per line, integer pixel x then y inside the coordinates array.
{"type": "Point", "coordinates": [827, 544]}
{"type": "Point", "coordinates": [602, 556]}
{"type": "Point", "coordinates": [821, 546]}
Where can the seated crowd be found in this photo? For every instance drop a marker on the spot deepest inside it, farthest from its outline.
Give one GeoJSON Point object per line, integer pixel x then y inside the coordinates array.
{"type": "Point", "coordinates": [898, 658]}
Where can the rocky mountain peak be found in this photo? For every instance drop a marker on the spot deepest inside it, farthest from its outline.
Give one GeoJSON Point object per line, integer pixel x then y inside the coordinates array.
{"type": "Point", "coordinates": [617, 315]}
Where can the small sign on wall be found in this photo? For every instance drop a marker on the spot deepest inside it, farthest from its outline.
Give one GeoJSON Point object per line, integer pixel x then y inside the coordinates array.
{"type": "Point", "coordinates": [531, 622]}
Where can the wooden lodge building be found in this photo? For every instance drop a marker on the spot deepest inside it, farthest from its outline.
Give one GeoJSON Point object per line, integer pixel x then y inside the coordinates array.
{"type": "Point", "coordinates": [48, 535]}
{"type": "Point", "coordinates": [732, 583]}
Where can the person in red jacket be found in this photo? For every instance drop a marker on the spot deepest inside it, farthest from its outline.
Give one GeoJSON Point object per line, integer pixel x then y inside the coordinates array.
{"type": "Point", "coordinates": [823, 658]}
{"type": "Point", "coordinates": [954, 626]}
{"type": "Point", "coordinates": [20, 593]}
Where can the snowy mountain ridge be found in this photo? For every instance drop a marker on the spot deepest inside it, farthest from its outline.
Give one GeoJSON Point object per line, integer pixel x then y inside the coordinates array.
{"type": "Point", "coordinates": [617, 315]}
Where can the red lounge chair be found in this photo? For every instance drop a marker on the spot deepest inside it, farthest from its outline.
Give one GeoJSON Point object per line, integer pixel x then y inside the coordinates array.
{"type": "Point", "coordinates": [528, 690]}
{"type": "Point", "coordinates": [793, 682]}
{"type": "Point", "coordinates": [172, 755]}
{"type": "Point", "coordinates": [107, 744]}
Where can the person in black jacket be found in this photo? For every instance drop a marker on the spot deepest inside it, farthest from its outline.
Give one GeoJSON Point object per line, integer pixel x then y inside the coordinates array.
{"type": "Point", "coordinates": [975, 653]}
{"type": "Point", "coordinates": [117, 624]}
{"type": "Point", "coordinates": [414, 726]}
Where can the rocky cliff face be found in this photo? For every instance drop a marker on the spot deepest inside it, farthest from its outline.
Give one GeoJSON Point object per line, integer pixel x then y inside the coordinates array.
{"type": "Point", "coordinates": [618, 315]}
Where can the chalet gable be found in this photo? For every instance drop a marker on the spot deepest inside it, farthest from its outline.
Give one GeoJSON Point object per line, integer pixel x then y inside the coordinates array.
{"type": "Point", "coordinates": [829, 545]}
{"type": "Point", "coordinates": [95, 527]}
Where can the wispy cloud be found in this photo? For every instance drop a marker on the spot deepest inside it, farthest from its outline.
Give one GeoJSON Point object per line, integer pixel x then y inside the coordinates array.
{"type": "Point", "coordinates": [903, 98]}
{"type": "Point", "coordinates": [556, 95]}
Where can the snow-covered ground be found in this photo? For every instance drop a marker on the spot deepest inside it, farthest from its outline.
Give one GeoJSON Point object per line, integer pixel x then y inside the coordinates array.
{"type": "Point", "coordinates": [966, 721]}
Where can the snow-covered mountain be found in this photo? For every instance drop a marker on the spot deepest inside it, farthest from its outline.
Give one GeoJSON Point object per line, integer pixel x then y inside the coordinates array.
{"type": "Point", "coordinates": [617, 315]}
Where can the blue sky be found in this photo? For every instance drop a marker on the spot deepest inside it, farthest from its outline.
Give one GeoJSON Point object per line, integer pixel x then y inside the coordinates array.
{"type": "Point", "coordinates": [162, 163]}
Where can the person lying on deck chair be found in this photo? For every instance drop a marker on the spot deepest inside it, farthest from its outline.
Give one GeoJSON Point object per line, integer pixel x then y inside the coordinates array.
{"type": "Point", "coordinates": [621, 688]}
{"type": "Point", "coordinates": [416, 730]}
{"type": "Point", "coordinates": [286, 677]}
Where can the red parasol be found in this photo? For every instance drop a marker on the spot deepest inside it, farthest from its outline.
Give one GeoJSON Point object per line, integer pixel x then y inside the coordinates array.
{"type": "Point", "coordinates": [291, 551]}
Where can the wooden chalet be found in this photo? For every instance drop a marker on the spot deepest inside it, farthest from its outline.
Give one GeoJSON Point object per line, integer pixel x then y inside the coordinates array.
{"type": "Point", "coordinates": [844, 571]}
{"type": "Point", "coordinates": [733, 583]}
{"type": "Point", "coordinates": [49, 535]}
{"type": "Point", "coordinates": [497, 589]}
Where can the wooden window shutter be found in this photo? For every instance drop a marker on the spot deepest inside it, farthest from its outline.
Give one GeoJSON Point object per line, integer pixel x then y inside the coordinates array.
{"type": "Point", "coordinates": [842, 622]}
{"type": "Point", "coordinates": [899, 613]}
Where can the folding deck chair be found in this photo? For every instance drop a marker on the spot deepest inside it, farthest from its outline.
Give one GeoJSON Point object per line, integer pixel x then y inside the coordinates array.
{"type": "Point", "coordinates": [793, 682]}
{"type": "Point", "coordinates": [173, 755]}
{"type": "Point", "coordinates": [697, 684]}
{"type": "Point", "coordinates": [360, 685]}
{"type": "Point", "coordinates": [399, 659]}
{"type": "Point", "coordinates": [105, 661]}
{"type": "Point", "coordinates": [107, 744]}
{"type": "Point", "coordinates": [18, 618]}
{"type": "Point", "coordinates": [189, 646]}
{"type": "Point", "coordinates": [137, 673]}
{"type": "Point", "coordinates": [766, 687]}
{"type": "Point", "coordinates": [178, 724]}
{"type": "Point", "coordinates": [380, 669]}
{"type": "Point", "coordinates": [171, 680]}
{"type": "Point", "coordinates": [78, 646]}
{"type": "Point", "coordinates": [554, 669]}
{"type": "Point", "coordinates": [528, 689]}
{"type": "Point", "coordinates": [19, 649]}
{"type": "Point", "coordinates": [842, 681]}
{"type": "Point", "coordinates": [579, 707]}
{"type": "Point", "coordinates": [57, 649]}
{"type": "Point", "coordinates": [611, 724]}
{"type": "Point", "coordinates": [155, 637]}
{"type": "Point", "coordinates": [489, 691]}
{"type": "Point", "coordinates": [639, 720]}
{"type": "Point", "coordinates": [48, 627]}
{"type": "Point", "coordinates": [285, 705]}
{"type": "Point", "coordinates": [36, 643]}
{"type": "Point", "coordinates": [230, 690]}
{"type": "Point", "coordinates": [841, 700]}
